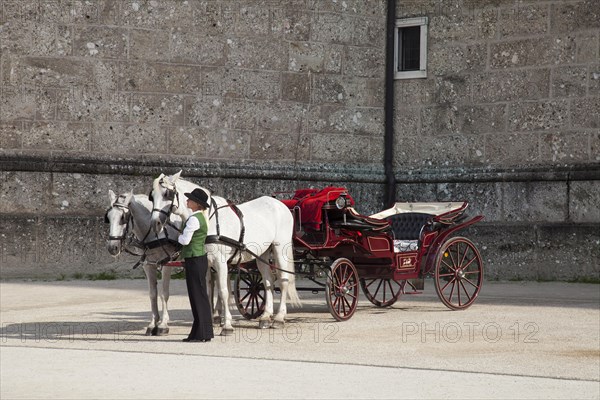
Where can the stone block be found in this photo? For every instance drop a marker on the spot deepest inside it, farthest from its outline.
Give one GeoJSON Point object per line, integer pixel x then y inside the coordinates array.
{"type": "Point", "coordinates": [81, 104]}
{"type": "Point", "coordinates": [595, 146]}
{"type": "Point", "coordinates": [157, 109]}
{"type": "Point", "coordinates": [594, 81]}
{"type": "Point", "coordinates": [281, 117]}
{"type": "Point", "coordinates": [439, 151]}
{"type": "Point", "coordinates": [332, 28]}
{"type": "Point", "coordinates": [416, 192]}
{"type": "Point", "coordinates": [574, 16]}
{"type": "Point", "coordinates": [295, 87]}
{"type": "Point", "coordinates": [252, 85]}
{"type": "Point", "coordinates": [407, 121]}
{"type": "Point", "coordinates": [151, 45]}
{"type": "Point", "coordinates": [24, 192]}
{"type": "Point", "coordinates": [533, 52]}
{"type": "Point", "coordinates": [413, 92]}
{"type": "Point", "coordinates": [537, 116]}
{"type": "Point", "coordinates": [280, 146]}
{"type": "Point", "coordinates": [31, 38]}
{"type": "Point", "coordinates": [369, 32]}
{"type": "Point", "coordinates": [453, 28]}
{"type": "Point", "coordinates": [46, 103]}
{"type": "Point", "coordinates": [10, 135]}
{"type": "Point", "coordinates": [17, 103]}
{"type": "Point", "coordinates": [340, 147]}
{"type": "Point", "coordinates": [584, 198]}
{"type": "Point", "coordinates": [120, 138]}
{"type": "Point", "coordinates": [503, 149]}
{"type": "Point", "coordinates": [335, 119]}
{"type": "Point", "coordinates": [228, 144]}
{"type": "Point", "coordinates": [562, 148]}
{"type": "Point", "coordinates": [291, 24]}
{"type": "Point", "coordinates": [189, 140]}
{"type": "Point", "coordinates": [587, 47]}
{"type": "Point", "coordinates": [511, 85]}
{"type": "Point", "coordinates": [535, 201]}
{"type": "Point", "coordinates": [214, 17]}
{"type": "Point", "coordinates": [440, 120]}
{"type": "Point", "coordinates": [484, 198]}
{"type": "Point", "coordinates": [117, 107]}
{"type": "Point", "coordinates": [364, 61]}
{"type": "Point", "coordinates": [451, 59]}
{"type": "Point", "coordinates": [61, 72]}
{"type": "Point", "coordinates": [159, 77]}
{"type": "Point", "coordinates": [98, 12]}
{"type": "Point", "coordinates": [508, 251]}
{"type": "Point", "coordinates": [253, 20]}
{"type": "Point", "coordinates": [157, 14]}
{"type": "Point", "coordinates": [100, 42]}
{"type": "Point", "coordinates": [257, 53]}
{"type": "Point", "coordinates": [56, 135]}
{"type": "Point", "coordinates": [524, 20]}
{"type": "Point", "coordinates": [209, 112]}
{"type": "Point", "coordinates": [568, 252]}
{"type": "Point", "coordinates": [343, 90]}
{"type": "Point", "coordinates": [569, 81]}
{"type": "Point", "coordinates": [585, 112]}
{"type": "Point", "coordinates": [192, 47]}
{"type": "Point", "coordinates": [452, 89]}
{"type": "Point", "coordinates": [478, 119]}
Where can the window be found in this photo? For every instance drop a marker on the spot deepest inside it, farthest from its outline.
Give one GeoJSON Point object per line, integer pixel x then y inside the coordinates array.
{"type": "Point", "coordinates": [410, 55]}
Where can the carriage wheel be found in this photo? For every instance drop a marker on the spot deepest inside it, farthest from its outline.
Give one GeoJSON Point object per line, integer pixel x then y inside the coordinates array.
{"type": "Point", "coordinates": [342, 289]}
{"type": "Point", "coordinates": [458, 273]}
{"type": "Point", "coordinates": [249, 293]}
{"type": "Point", "coordinates": [382, 292]}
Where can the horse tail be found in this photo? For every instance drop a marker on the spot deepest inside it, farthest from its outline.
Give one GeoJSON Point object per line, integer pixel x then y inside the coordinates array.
{"type": "Point", "coordinates": [292, 292]}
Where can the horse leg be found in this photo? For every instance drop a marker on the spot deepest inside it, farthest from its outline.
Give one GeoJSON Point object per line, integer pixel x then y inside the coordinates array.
{"type": "Point", "coordinates": [163, 326]}
{"type": "Point", "coordinates": [151, 271]}
{"type": "Point", "coordinates": [284, 260]}
{"type": "Point", "coordinates": [222, 274]}
{"type": "Point", "coordinates": [264, 321]}
{"type": "Point", "coordinates": [215, 300]}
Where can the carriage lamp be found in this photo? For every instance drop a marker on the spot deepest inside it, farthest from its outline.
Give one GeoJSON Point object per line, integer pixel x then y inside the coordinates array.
{"type": "Point", "coordinates": [341, 202]}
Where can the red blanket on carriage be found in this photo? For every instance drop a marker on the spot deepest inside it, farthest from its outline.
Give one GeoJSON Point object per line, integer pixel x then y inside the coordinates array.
{"type": "Point", "coordinates": [311, 201]}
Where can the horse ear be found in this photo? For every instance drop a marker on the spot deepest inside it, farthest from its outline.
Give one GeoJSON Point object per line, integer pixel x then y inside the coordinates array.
{"type": "Point", "coordinates": [128, 197]}
{"type": "Point", "coordinates": [112, 196]}
{"type": "Point", "coordinates": [176, 176]}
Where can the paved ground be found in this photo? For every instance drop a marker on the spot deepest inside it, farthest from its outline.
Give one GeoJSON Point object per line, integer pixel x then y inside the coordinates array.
{"type": "Point", "coordinates": [83, 339]}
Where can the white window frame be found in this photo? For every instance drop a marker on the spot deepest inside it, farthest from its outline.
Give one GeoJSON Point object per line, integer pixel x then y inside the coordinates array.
{"type": "Point", "coordinates": [405, 23]}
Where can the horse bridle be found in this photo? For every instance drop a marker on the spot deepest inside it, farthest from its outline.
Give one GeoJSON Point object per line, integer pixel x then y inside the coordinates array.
{"type": "Point", "coordinates": [125, 219]}
{"type": "Point", "coordinates": [169, 195]}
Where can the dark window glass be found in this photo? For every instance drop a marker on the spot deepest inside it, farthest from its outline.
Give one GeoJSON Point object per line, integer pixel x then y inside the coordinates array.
{"type": "Point", "coordinates": [409, 48]}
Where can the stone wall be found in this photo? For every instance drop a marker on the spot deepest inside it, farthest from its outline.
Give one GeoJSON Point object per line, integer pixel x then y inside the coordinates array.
{"type": "Point", "coordinates": [252, 97]}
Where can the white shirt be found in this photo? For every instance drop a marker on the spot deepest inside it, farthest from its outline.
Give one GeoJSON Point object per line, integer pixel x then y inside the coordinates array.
{"type": "Point", "coordinates": [191, 226]}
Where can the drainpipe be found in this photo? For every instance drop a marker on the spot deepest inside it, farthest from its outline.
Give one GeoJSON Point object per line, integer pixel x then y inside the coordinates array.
{"type": "Point", "coordinates": [388, 141]}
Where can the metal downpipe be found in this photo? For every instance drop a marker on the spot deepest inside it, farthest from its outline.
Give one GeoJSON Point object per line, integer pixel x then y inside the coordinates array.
{"type": "Point", "coordinates": [388, 154]}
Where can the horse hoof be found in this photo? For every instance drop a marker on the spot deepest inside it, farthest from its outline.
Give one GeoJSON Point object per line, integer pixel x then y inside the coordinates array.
{"type": "Point", "coordinates": [264, 324]}
{"type": "Point", "coordinates": [226, 332]}
{"type": "Point", "coordinates": [149, 331]}
{"type": "Point", "coordinates": [162, 331]}
{"type": "Point", "coordinates": [155, 331]}
{"type": "Point", "coordinates": [278, 324]}
{"type": "Point", "coordinates": [216, 320]}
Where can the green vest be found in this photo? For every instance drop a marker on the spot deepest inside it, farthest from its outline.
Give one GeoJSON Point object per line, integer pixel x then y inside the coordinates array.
{"type": "Point", "coordinates": [196, 246]}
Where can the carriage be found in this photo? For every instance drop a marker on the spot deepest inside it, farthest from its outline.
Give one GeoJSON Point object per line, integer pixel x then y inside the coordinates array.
{"type": "Point", "coordinates": [387, 254]}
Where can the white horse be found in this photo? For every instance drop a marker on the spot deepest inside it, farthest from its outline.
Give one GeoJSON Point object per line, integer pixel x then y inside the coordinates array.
{"type": "Point", "coordinates": [268, 228]}
{"type": "Point", "coordinates": [132, 212]}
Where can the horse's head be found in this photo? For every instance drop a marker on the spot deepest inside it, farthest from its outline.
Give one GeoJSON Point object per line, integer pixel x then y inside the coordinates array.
{"type": "Point", "coordinates": [165, 200]}
{"type": "Point", "coordinates": [117, 216]}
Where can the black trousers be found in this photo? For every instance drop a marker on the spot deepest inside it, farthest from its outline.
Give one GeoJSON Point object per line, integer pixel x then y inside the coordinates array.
{"type": "Point", "coordinates": [195, 279]}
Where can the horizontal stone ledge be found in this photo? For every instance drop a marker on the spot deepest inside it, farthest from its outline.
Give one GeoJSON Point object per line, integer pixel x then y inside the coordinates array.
{"type": "Point", "coordinates": [276, 170]}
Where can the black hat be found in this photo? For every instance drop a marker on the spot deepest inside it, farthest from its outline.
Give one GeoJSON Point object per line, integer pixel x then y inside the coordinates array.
{"type": "Point", "coordinates": [199, 196]}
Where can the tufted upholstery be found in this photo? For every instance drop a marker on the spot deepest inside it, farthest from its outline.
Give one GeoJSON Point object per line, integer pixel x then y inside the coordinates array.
{"type": "Point", "coordinates": [407, 226]}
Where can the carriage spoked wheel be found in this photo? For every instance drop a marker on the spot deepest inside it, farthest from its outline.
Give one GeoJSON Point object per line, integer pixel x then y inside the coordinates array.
{"type": "Point", "coordinates": [249, 292]}
{"type": "Point", "coordinates": [458, 273]}
{"type": "Point", "coordinates": [341, 290]}
{"type": "Point", "coordinates": [382, 292]}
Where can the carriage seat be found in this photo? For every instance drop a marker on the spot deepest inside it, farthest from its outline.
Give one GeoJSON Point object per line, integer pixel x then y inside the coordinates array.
{"type": "Point", "coordinates": [357, 221]}
{"type": "Point", "coordinates": [407, 226]}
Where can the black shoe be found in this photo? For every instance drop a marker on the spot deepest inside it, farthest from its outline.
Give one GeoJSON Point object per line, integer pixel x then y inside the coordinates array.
{"type": "Point", "coordinates": [186, 340]}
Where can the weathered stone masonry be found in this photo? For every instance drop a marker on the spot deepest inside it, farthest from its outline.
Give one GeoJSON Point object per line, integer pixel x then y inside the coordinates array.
{"type": "Point", "coordinates": [252, 97]}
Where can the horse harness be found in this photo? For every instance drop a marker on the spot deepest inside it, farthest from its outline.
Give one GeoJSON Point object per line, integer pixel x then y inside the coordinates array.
{"type": "Point", "coordinates": [126, 219]}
